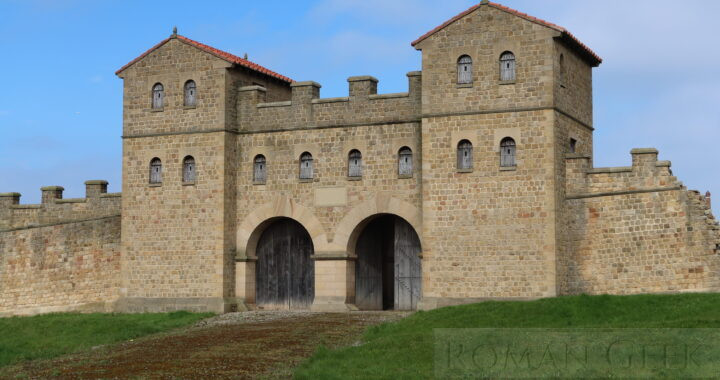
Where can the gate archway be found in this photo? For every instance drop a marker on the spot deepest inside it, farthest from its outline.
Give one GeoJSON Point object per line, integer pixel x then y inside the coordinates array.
{"type": "Point", "coordinates": [285, 271]}
{"type": "Point", "coordinates": [388, 273]}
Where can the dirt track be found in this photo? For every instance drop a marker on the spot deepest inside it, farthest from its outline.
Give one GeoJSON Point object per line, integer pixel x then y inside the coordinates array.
{"type": "Point", "coordinates": [230, 346]}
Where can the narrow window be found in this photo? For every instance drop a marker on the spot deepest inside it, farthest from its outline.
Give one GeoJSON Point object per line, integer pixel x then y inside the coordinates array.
{"type": "Point", "coordinates": [405, 163]}
{"type": "Point", "coordinates": [464, 155]}
{"type": "Point", "coordinates": [259, 169]}
{"type": "Point", "coordinates": [507, 66]}
{"type": "Point", "coordinates": [155, 170]}
{"type": "Point", "coordinates": [188, 169]}
{"type": "Point", "coordinates": [562, 70]}
{"type": "Point", "coordinates": [158, 96]}
{"type": "Point", "coordinates": [573, 145]}
{"type": "Point", "coordinates": [306, 166]}
{"type": "Point", "coordinates": [507, 152]}
{"type": "Point", "coordinates": [465, 70]}
{"type": "Point", "coordinates": [190, 93]}
{"type": "Point", "coordinates": [355, 164]}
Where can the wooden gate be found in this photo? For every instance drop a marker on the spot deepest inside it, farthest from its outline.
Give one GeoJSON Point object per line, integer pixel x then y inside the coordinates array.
{"type": "Point", "coordinates": [285, 273]}
{"type": "Point", "coordinates": [408, 274]}
{"type": "Point", "coordinates": [387, 271]}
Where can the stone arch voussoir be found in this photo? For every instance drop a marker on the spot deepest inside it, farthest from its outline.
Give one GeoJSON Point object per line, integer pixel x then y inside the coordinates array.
{"type": "Point", "coordinates": [250, 229]}
{"type": "Point", "coordinates": [347, 230]}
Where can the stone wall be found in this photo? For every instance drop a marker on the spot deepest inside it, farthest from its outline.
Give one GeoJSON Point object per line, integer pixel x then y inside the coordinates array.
{"type": "Point", "coordinates": [65, 266]}
{"type": "Point", "coordinates": [636, 229]}
{"type": "Point", "coordinates": [62, 254]}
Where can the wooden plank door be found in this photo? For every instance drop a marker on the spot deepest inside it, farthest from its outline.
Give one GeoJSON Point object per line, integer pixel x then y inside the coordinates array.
{"type": "Point", "coordinates": [408, 273]}
{"type": "Point", "coordinates": [285, 272]}
{"type": "Point", "coordinates": [369, 269]}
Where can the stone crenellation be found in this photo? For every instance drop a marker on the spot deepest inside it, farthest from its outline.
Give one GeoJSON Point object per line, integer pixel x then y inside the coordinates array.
{"type": "Point", "coordinates": [54, 209]}
{"type": "Point", "coordinates": [363, 106]}
{"type": "Point", "coordinates": [477, 183]}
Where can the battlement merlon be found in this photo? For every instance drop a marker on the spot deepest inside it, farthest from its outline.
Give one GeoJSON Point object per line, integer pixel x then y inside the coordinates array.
{"type": "Point", "coordinates": [362, 106]}
{"type": "Point", "coordinates": [647, 173]}
{"type": "Point", "coordinates": [54, 209]}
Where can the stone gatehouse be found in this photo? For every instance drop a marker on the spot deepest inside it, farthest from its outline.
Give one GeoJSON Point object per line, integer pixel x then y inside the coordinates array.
{"type": "Point", "coordinates": [243, 188]}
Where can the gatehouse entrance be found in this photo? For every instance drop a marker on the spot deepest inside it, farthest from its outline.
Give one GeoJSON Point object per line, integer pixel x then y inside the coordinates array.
{"type": "Point", "coordinates": [388, 273]}
{"type": "Point", "coordinates": [285, 271]}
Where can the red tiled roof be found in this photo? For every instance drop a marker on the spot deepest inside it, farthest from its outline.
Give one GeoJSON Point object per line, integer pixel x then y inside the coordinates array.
{"type": "Point", "coordinates": [216, 52]}
{"type": "Point", "coordinates": [566, 35]}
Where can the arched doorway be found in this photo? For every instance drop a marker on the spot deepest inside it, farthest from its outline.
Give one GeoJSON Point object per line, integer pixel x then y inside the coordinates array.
{"type": "Point", "coordinates": [285, 271]}
{"type": "Point", "coordinates": [388, 272]}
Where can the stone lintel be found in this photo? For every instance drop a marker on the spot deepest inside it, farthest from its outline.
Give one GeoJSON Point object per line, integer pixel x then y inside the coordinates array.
{"type": "Point", "coordinates": [644, 151]}
{"type": "Point", "coordinates": [252, 88]}
{"type": "Point", "coordinates": [306, 83]}
{"type": "Point", "coordinates": [361, 78]}
{"type": "Point", "coordinates": [96, 182]}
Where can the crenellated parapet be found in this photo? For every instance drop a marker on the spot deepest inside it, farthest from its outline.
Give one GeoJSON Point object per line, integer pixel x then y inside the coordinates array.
{"type": "Point", "coordinates": [53, 209]}
{"type": "Point", "coordinates": [646, 174]}
{"type": "Point", "coordinates": [362, 106]}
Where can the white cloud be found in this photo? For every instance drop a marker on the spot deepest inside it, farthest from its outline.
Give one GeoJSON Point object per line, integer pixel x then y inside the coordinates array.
{"type": "Point", "coordinates": [647, 35]}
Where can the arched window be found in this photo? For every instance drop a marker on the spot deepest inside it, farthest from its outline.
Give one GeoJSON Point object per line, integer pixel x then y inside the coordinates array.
{"type": "Point", "coordinates": [188, 169]}
{"type": "Point", "coordinates": [158, 96]}
{"type": "Point", "coordinates": [259, 169]}
{"type": "Point", "coordinates": [507, 66]}
{"type": "Point", "coordinates": [355, 164]}
{"type": "Point", "coordinates": [405, 162]}
{"type": "Point", "coordinates": [190, 93]}
{"type": "Point", "coordinates": [573, 145]}
{"type": "Point", "coordinates": [306, 166]}
{"type": "Point", "coordinates": [155, 170]}
{"type": "Point", "coordinates": [507, 152]}
{"type": "Point", "coordinates": [464, 69]}
{"type": "Point", "coordinates": [464, 155]}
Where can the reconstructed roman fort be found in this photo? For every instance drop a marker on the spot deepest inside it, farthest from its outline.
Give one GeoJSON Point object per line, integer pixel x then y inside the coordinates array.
{"type": "Point", "coordinates": [244, 189]}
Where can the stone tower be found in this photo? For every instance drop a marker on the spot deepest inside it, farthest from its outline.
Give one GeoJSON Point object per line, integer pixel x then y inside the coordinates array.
{"type": "Point", "coordinates": [179, 226]}
{"type": "Point", "coordinates": [491, 229]}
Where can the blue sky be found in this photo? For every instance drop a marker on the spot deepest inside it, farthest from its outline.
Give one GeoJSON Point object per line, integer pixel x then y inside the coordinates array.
{"type": "Point", "coordinates": [61, 104]}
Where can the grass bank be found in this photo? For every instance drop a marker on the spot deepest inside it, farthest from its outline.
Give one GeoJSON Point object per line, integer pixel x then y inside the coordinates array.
{"type": "Point", "coordinates": [404, 349]}
{"type": "Point", "coordinates": [50, 335]}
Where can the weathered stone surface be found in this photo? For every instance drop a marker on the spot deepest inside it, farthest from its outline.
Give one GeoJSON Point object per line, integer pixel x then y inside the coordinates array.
{"type": "Point", "coordinates": [550, 225]}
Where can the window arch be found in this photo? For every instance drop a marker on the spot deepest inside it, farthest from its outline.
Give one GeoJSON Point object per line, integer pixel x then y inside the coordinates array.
{"type": "Point", "coordinates": [158, 96]}
{"type": "Point", "coordinates": [155, 170]}
{"type": "Point", "coordinates": [190, 93]}
{"type": "Point", "coordinates": [405, 161]}
{"type": "Point", "coordinates": [355, 164]}
{"type": "Point", "coordinates": [464, 69]}
{"type": "Point", "coordinates": [306, 166]}
{"type": "Point", "coordinates": [507, 66]}
{"type": "Point", "coordinates": [464, 155]}
{"type": "Point", "coordinates": [188, 169]}
{"type": "Point", "coordinates": [507, 152]}
{"type": "Point", "coordinates": [259, 169]}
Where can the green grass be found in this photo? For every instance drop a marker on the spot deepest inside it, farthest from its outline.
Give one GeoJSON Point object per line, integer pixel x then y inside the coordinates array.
{"type": "Point", "coordinates": [50, 335]}
{"type": "Point", "coordinates": [404, 349]}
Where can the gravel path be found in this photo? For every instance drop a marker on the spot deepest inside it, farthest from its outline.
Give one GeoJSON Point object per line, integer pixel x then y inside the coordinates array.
{"type": "Point", "coordinates": [247, 345]}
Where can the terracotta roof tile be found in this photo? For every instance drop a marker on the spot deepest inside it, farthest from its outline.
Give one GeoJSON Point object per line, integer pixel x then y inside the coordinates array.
{"type": "Point", "coordinates": [594, 58]}
{"type": "Point", "coordinates": [216, 52]}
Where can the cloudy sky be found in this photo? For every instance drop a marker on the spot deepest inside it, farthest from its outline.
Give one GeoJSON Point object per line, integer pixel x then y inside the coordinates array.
{"type": "Point", "coordinates": [60, 103]}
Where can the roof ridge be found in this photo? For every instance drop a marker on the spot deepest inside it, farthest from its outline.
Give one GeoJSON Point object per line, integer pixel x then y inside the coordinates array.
{"type": "Point", "coordinates": [509, 10]}
{"type": "Point", "coordinates": [214, 51]}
